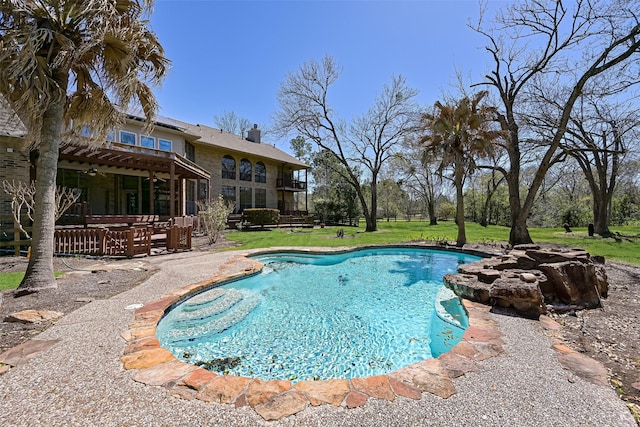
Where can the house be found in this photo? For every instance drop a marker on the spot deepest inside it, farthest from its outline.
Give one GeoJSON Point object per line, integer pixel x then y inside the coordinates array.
{"type": "Point", "coordinates": [164, 172]}
{"type": "Point", "coordinates": [14, 161]}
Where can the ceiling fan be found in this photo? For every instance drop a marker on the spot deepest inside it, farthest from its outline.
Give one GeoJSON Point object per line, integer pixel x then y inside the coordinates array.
{"type": "Point", "coordinates": [92, 171]}
{"type": "Point", "coordinates": [156, 178]}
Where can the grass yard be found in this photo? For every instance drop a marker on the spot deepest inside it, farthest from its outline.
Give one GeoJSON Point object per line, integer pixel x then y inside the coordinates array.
{"type": "Point", "coordinates": [13, 279]}
{"type": "Point", "coordinates": [625, 249]}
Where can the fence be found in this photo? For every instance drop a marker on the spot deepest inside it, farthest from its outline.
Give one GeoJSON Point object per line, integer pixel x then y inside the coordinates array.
{"type": "Point", "coordinates": [101, 241]}
{"type": "Point", "coordinates": [10, 236]}
{"type": "Point", "coordinates": [120, 241]}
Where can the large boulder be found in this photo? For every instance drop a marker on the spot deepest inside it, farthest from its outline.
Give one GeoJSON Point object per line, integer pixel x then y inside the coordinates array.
{"type": "Point", "coordinates": [575, 284]}
{"type": "Point", "coordinates": [531, 280]}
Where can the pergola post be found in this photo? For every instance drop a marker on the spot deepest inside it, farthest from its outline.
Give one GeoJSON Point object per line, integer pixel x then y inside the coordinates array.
{"type": "Point", "coordinates": [172, 189]}
{"type": "Point", "coordinates": [152, 200]}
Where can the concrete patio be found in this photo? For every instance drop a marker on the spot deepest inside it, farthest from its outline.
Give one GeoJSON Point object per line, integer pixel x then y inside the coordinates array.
{"type": "Point", "coordinates": [80, 379]}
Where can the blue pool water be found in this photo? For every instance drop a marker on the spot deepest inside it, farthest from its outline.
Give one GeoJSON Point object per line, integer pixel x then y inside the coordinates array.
{"type": "Point", "coordinates": [311, 316]}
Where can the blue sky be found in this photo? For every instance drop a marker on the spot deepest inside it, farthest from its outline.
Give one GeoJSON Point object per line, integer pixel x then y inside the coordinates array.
{"type": "Point", "coordinates": [233, 55]}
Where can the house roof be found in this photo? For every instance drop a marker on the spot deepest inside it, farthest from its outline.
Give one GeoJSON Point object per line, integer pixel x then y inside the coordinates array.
{"type": "Point", "coordinates": [228, 141]}
{"type": "Point", "coordinates": [10, 124]}
{"type": "Point", "coordinates": [158, 120]}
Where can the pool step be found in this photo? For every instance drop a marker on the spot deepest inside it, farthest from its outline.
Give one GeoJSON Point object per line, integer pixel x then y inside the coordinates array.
{"type": "Point", "coordinates": [219, 322]}
{"type": "Point", "coordinates": [204, 299]}
{"type": "Point", "coordinates": [224, 302]}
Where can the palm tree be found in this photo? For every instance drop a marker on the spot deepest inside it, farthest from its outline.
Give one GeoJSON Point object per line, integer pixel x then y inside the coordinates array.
{"type": "Point", "coordinates": [458, 133]}
{"type": "Point", "coordinates": [67, 66]}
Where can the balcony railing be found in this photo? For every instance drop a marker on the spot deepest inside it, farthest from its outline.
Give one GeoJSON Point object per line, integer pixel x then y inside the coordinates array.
{"type": "Point", "coordinates": [291, 184]}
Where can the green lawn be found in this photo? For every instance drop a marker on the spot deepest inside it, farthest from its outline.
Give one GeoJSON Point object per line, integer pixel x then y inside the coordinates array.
{"type": "Point", "coordinates": [624, 249]}
{"type": "Point", "coordinates": [13, 279]}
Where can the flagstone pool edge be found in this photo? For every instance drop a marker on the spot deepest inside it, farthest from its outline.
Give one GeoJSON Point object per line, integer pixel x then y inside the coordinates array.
{"type": "Point", "coordinates": [276, 399]}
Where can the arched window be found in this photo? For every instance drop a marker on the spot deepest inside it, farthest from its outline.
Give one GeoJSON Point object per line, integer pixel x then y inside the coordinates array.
{"type": "Point", "coordinates": [245, 170]}
{"type": "Point", "coordinates": [261, 172]}
{"type": "Point", "coordinates": [228, 167]}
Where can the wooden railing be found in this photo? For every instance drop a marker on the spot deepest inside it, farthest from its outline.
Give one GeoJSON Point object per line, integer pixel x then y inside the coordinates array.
{"type": "Point", "coordinates": [121, 240]}
{"type": "Point", "coordinates": [101, 241]}
{"type": "Point", "coordinates": [179, 237]}
{"type": "Point", "coordinates": [80, 241]}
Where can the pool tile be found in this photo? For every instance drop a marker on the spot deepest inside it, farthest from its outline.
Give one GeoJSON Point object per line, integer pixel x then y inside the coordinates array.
{"type": "Point", "coordinates": [328, 391]}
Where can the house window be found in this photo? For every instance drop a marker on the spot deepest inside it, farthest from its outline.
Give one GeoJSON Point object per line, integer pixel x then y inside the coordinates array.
{"type": "Point", "coordinates": [147, 141]}
{"type": "Point", "coordinates": [229, 193]}
{"type": "Point", "coordinates": [261, 172]}
{"type": "Point", "coordinates": [111, 136]}
{"type": "Point", "coordinates": [245, 198]}
{"type": "Point", "coordinates": [245, 170]}
{"type": "Point", "coordinates": [228, 167]}
{"type": "Point", "coordinates": [189, 151]}
{"type": "Point", "coordinates": [202, 191]}
{"type": "Point", "coordinates": [166, 145]}
{"type": "Point", "coordinates": [127, 137]}
{"type": "Point", "coordinates": [261, 197]}
{"type": "Point", "coordinates": [85, 131]}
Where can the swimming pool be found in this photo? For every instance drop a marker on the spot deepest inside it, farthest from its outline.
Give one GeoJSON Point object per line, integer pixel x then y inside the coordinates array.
{"type": "Point", "coordinates": [320, 316]}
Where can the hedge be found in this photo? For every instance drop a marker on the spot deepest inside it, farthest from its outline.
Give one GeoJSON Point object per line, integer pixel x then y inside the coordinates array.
{"type": "Point", "coordinates": [262, 216]}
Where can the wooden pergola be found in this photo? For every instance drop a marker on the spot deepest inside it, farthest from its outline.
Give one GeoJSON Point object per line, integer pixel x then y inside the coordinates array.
{"type": "Point", "coordinates": [127, 159]}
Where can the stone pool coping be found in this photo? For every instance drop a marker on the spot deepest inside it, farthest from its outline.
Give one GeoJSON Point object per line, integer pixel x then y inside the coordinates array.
{"type": "Point", "coordinates": [276, 399]}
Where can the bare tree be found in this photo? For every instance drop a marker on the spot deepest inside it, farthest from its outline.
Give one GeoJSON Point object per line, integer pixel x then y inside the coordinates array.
{"type": "Point", "coordinates": [598, 137]}
{"type": "Point", "coordinates": [23, 201]}
{"type": "Point", "coordinates": [538, 46]}
{"type": "Point", "coordinates": [230, 122]}
{"type": "Point", "coordinates": [419, 176]}
{"type": "Point", "coordinates": [365, 144]}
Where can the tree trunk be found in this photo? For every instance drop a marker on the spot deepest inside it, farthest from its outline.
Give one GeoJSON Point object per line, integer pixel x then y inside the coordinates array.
{"type": "Point", "coordinates": [459, 182]}
{"type": "Point", "coordinates": [431, 208]}
{"type": "Point", "coordinates": [372, 217]}
{"type": "Point", "coordinates": [39, 274]}
{"type": "Point", "coordinates": [601, 215]}
{"type": "Point", "coordinates": [519, 233]}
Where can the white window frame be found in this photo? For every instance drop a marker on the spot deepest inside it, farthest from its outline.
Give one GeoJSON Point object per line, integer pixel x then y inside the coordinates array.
{"type": "Point", "coordinates": [149, 139]}
{"type": "Point", "coordinates": [161, 141]}
{"type": "Point", "coordinates": [125, 132]}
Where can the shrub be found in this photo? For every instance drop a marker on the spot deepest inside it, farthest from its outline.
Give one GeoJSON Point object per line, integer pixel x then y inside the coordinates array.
{"type": "Point", "coordinates": [214, 216]}
{"type": "Point", "coordinates": [262, 216]}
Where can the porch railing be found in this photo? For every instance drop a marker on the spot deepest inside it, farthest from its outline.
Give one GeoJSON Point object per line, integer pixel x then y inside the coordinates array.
{"type": "Point", "coordinates": [101, 241]}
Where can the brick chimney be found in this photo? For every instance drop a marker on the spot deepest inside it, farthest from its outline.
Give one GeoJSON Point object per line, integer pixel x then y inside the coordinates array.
{"type": "Point", "coordinates": [254, 134]}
